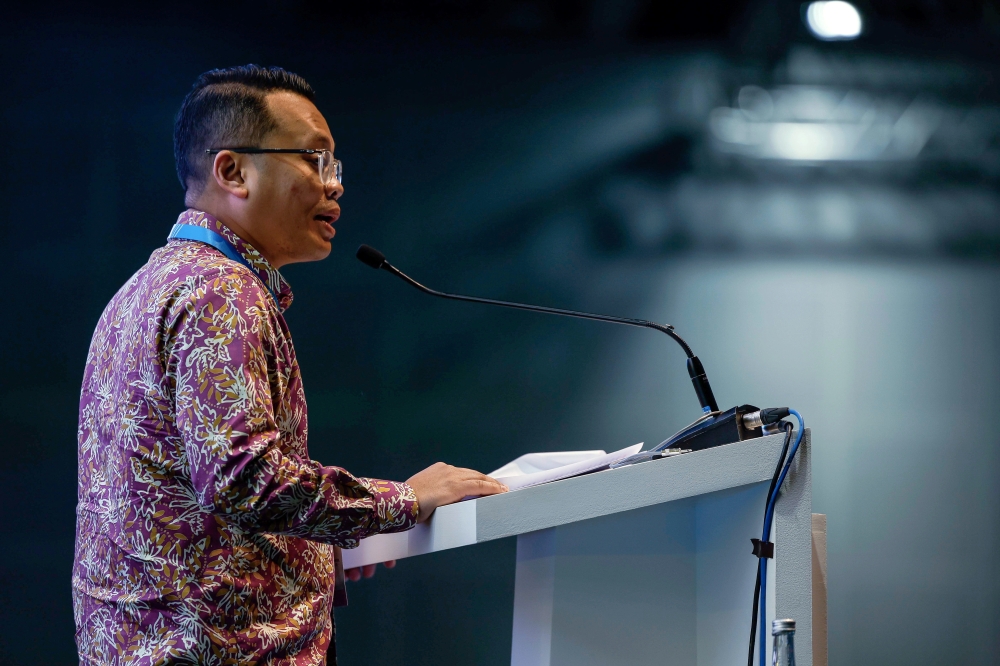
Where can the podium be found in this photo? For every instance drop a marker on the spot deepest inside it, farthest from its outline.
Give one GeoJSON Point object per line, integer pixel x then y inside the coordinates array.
{"type": "Point", "coordinates": [646, 564]}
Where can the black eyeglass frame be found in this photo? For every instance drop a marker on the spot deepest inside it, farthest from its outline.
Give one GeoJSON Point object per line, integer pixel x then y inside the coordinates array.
{"type": "Point", "coordinates": [338, 166]}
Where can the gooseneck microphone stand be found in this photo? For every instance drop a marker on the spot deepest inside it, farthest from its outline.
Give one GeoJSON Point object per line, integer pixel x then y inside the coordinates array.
{"type": "Point", "coordinates": [372, 257]}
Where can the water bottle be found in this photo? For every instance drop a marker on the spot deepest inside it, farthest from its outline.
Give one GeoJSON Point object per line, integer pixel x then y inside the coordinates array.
{"type": "Point", "coordinates": [783, 632]}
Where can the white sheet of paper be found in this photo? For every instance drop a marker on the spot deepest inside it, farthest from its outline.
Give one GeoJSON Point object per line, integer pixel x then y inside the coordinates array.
{"type": "Point", "coordinates": [530, 463]}
{"type": "Point", "coordinates": [533, 469]}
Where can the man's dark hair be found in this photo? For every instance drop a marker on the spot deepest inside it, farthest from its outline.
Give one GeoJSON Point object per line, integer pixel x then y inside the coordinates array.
{"type": "Point", "coordinates": [227, 108]}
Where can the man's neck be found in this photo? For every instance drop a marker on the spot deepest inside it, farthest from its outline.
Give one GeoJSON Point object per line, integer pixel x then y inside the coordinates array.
{"type": "Point", "coordinates": [234, 225]}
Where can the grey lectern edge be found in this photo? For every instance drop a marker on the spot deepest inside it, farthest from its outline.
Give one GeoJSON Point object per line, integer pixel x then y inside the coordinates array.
{"type": "Point", "coordinates": [711, 502]}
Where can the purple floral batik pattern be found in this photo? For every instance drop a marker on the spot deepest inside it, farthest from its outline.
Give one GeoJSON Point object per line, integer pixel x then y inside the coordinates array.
{"type": "Point", "coordinates": [205, 534]}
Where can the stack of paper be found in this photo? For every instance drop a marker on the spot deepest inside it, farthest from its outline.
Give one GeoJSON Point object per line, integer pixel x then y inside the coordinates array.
{"type": "Point", "coordinates": [533, 469]}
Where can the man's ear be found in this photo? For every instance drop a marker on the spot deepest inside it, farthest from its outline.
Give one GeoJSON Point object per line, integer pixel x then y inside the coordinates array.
{"type": "Point", "coordinates": [228, 171]}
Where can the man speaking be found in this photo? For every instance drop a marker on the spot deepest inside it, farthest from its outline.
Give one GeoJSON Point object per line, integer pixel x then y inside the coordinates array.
{"type": "Point", "coordinates": [205, 533]}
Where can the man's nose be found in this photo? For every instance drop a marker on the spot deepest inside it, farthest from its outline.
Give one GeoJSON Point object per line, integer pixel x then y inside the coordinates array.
{"type": "Point", "coordinates": [334, 190]}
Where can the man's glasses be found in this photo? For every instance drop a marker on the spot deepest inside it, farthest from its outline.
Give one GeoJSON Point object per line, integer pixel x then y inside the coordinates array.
{"type": "Point", "coordinates": [330, 169]}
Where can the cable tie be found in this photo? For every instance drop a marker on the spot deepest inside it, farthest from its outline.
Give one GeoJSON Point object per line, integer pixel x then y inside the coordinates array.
{"type": "Point", "coordinates": [763, 549]}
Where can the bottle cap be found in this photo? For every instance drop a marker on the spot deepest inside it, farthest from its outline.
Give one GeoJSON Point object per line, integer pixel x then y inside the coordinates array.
{"type": "Point", "coordinates": [782, 627]}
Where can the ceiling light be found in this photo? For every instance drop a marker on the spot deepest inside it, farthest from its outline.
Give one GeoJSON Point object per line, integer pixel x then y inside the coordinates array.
{"type": "Point", "coordinates": [833, 20]}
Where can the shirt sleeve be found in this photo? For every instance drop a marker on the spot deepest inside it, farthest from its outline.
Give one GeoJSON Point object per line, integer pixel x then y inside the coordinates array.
{"type": "Point", "coordinates": [222, 349]}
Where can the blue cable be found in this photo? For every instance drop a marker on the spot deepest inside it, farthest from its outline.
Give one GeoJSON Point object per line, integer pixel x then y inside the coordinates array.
{"type": "Point", "coordinates": [768, 518]}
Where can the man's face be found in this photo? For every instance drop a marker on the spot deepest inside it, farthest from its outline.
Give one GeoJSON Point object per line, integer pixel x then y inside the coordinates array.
{"type": "Point", "coordinates": [292, 212]}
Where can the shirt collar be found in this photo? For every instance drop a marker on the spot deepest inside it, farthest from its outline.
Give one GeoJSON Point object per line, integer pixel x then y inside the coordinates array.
{"type": "Point", "coordinates": [265, 271]}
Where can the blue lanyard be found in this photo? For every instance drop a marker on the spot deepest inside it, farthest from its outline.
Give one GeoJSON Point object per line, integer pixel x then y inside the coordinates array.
{"type": "Point", "coordinates": [219, 242]}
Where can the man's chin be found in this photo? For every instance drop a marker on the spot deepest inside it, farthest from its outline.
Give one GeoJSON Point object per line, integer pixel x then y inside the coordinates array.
{"type": "Point", "coordinates": [322, 251]}
{"type": "Point", "coordinates": [318, 251]}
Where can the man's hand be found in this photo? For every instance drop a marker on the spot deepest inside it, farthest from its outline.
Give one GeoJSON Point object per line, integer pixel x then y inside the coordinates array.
{"type": "Point", "coordinates": [442, 484]}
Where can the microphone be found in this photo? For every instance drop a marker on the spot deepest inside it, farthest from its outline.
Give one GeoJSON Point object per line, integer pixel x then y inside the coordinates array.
{"type": "Point", "coordinates": [372, 257]}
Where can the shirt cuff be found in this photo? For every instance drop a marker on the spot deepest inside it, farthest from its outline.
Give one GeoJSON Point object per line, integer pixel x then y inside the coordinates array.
{"type": "Point", "coordinates": [396, 507]}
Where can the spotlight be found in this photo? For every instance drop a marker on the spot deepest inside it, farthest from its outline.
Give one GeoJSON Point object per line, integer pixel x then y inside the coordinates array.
{"type": "Point", "coordinates": [834, 20]}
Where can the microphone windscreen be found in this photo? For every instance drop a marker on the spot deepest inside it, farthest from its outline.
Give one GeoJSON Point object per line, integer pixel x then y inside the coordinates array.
{"type": "Point", "coordinates": [370, 256]}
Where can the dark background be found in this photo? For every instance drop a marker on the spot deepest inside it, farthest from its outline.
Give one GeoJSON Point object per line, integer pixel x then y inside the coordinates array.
{"type": "Point", "coordinates": [576, 154]}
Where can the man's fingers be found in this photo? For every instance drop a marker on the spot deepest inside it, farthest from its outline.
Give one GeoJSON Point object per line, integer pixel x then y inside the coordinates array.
{"type": "Point", "coordinates": [490, 482]}
{"type": "Point", "coordinates": [493, 486]}
{"type": "Point", "coordinates": [483, 485]}
{"type": "Point", "coordinates": [367, 571]}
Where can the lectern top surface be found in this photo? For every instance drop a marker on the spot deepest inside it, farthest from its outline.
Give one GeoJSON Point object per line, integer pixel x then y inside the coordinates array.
{"type": "Point", "coordinates": [627, 488]}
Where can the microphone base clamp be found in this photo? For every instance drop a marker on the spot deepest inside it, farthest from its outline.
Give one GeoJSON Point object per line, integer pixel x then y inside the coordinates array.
{"type": "Point", "coordinates": [713, 429]}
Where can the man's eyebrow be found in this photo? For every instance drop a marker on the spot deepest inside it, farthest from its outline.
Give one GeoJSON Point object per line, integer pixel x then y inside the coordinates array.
{"type": "Point", "coordinates": [320, 139]}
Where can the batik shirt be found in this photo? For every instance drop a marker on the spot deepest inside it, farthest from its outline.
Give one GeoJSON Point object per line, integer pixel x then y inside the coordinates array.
{"type": "Point", "coordinates": [205, 534]}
